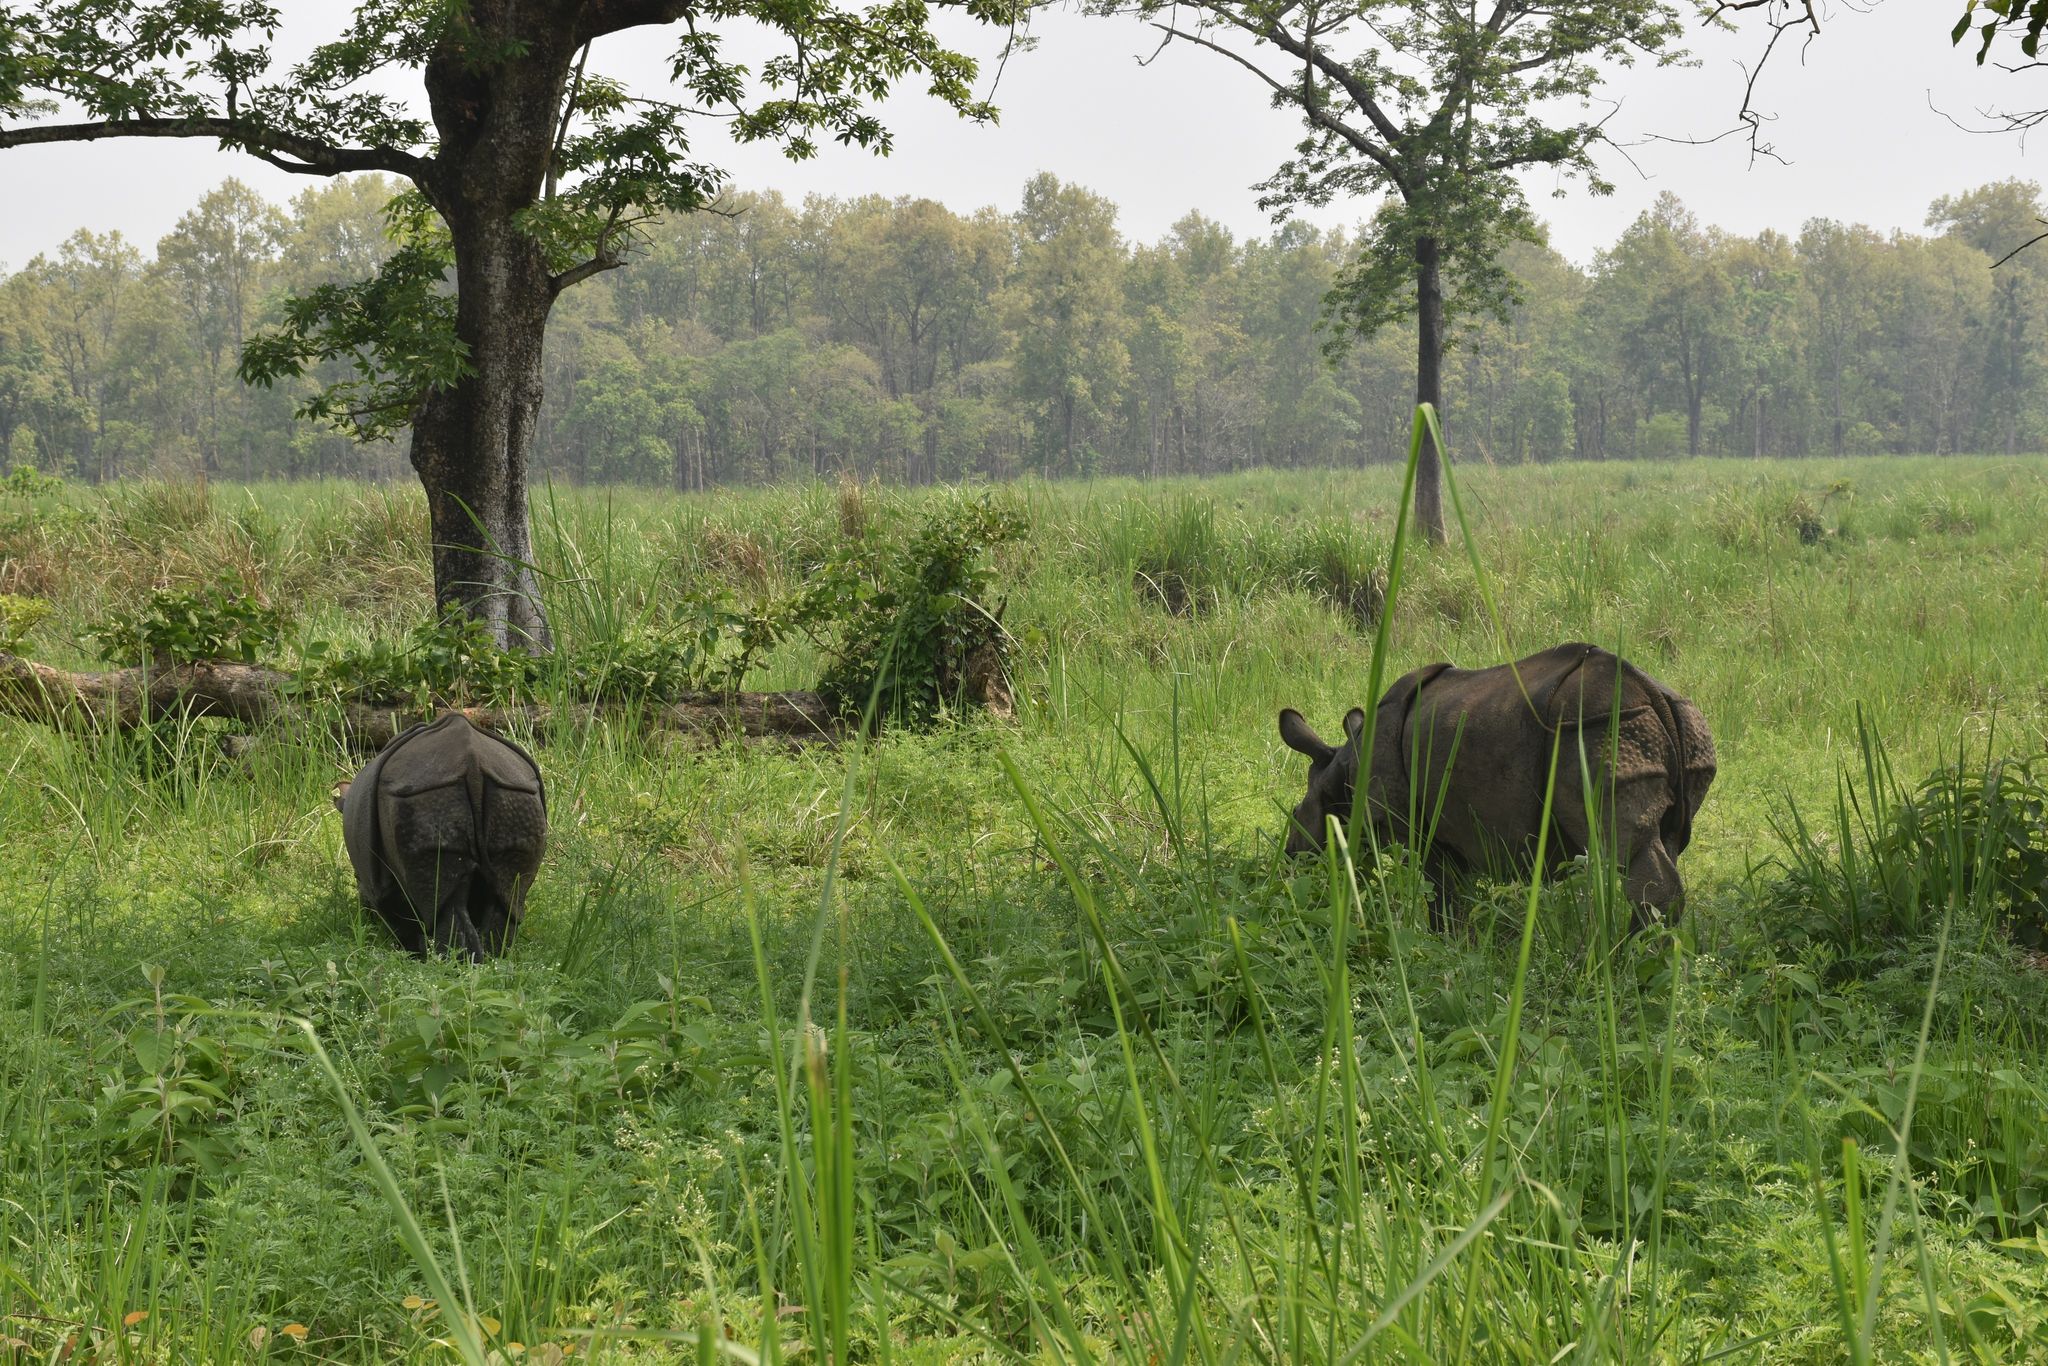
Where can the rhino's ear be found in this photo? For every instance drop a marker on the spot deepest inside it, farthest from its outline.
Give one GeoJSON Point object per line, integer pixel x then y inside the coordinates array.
{"type": "Point", "coordinates": [341, 793]}
{"type": "Point", "coordinates": [1354, 724]}
{"type": "Point", "coordinates": [1299, 736]}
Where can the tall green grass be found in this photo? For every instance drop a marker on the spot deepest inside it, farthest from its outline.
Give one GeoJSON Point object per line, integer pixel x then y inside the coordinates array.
{"type": "Point", "coordinates": [1021, 1041]}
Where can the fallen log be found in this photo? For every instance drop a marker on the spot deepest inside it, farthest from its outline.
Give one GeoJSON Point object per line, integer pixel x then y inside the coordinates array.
{"type": "Point", "coordinates": [122, 699]}
{"type": "Point", "coordinates": [125, 698]}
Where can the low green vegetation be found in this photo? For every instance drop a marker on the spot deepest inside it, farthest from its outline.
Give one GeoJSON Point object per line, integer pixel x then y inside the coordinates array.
{"type": "Point", "coordinates": [987, 1039]}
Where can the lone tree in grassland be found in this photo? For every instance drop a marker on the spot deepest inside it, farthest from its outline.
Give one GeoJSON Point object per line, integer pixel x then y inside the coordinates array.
{"type": "Point", "coordinates": [1434, 105]}
{"type": "Point", "coordinates": [530, 172]}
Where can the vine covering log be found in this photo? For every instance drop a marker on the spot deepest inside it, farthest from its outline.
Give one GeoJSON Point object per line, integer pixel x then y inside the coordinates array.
{"type": "Point", "coordinates": [253, 695]}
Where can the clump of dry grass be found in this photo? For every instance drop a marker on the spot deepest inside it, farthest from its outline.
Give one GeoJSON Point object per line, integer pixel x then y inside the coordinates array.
{"type": "Point", "coordinates": [377, 552]}
{"type": "Point", "coordinates": [854, 512]}
{"type": "Point", "coordinates": [27, 567]}
{"type": "Point", "coordinates": [732, 556]}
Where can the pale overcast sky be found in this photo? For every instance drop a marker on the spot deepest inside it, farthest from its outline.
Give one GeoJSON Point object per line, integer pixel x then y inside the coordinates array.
{"type": "Point", "coordinates": [1864, 123]}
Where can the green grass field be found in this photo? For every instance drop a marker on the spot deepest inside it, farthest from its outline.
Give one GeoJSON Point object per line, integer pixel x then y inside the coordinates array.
{"type": "Point", "coordinates": [1019, 1039]}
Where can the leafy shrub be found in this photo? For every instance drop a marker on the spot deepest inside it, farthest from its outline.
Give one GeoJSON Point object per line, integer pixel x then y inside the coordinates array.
{"type": "Point", "coordinates": [1945, 514]}
{"type": "Point", "coordinates": [1804, 518]}
{"type": "Point", "coordinates": [1757, 517]}
{"type": "Point", "coordinates": [168, 1066]}
{"type": "Point", "coordinates": [26, 481]}
{"type": "Point", "coordinates": [19, 616]}
{"type": "Point", "coordinates": [158, 513]}
{"type": "Point", "coordinates": [708, 648]}
{"type": "Point", "coordinates": [1979, 835]}
{"type": "Point", "coordinates": [733, 556]}
{"type": "Point", "coordinates": [453, 660]}
{"type": "Point", "coordinates": [1738, 519]}
{"type": "Point", "coordinates": [1972, 836]}
{"type": "Point", "coordinates": [1665, 436]}
{"type": "Point", "coordinates": [450, 1055]}
{"type": "Point", "coordinates": [906, 614]}
{"type": "Point", "coordinates": [910, 624]}
{"type": "Point", "coordinates": [222, 621]}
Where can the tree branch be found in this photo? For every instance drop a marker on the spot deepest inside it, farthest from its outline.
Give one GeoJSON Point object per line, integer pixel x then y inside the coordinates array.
{"type": "Point", "coordinates": [1331, 69]}
{"type": "Point", "coordinates": [577, 274]}
{"type": "Point", "coordinates": [601, 17]}
{"type": "Point", "coordinates": [602, 257]}
{"type": "Point", "coordinates": [2039, 237]}
{"type": "Point", "coordinates": [1317, 115]}
{"type": "Point", "coordinates": [568, 116]}
{"type": "Point", "coordinates": [287, 151]}
{"type": "Point", "coordinates": [1795, 14]}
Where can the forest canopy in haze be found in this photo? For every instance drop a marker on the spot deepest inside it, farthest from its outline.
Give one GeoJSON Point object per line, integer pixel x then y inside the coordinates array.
{"type": "Point", "coordinates": [904, 341]}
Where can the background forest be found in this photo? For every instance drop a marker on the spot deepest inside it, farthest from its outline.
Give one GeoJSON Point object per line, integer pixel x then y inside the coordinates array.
{"type": "Point", "coordinates": [903, 341]}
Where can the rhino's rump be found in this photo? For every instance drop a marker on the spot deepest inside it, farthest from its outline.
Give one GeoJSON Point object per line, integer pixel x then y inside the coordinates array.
{"type": "Point", "coordinates": [447, 821]}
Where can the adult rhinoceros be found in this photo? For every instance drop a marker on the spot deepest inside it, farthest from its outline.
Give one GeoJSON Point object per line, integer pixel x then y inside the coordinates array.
{"type": "Point", "coordinates": [1480, 741]}
{"type": "Point", "coordinates": [445, 829]}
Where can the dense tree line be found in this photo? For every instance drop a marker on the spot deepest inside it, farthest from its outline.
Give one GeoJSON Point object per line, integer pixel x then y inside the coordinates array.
{"type": "Point", "coordinates": [902, 340]}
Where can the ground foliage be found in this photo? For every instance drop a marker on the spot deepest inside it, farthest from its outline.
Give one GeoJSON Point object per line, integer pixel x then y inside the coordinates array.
{"type": "Point", "coordinates": [1090, 1074]}
{"type": "Point", "coordinates": [222, 620]}
{"type": "Point", "coordinates": [902, 616]}
{"type": "Point", "coordinates": [905, 624]}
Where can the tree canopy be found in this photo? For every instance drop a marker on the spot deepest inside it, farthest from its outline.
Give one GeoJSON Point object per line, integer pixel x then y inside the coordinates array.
{"type": "Point", "coordinates": [1429, 107]}
{"type": "Point", "coordinates": [530, 172]}
{"type": "Point", "coordinates": [900, 340]}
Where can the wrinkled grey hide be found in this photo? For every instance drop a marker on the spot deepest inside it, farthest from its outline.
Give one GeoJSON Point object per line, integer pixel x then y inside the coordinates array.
{"type": "Point", "coordinates": [445, 829]}
{"type": "Point", "coordinates": [1481, 740]}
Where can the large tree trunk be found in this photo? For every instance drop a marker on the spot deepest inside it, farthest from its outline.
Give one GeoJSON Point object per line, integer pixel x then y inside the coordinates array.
{"type": "Point", "coordinates": [1067, 451]}
{"type": "Point", "coordinates": [470, 442]}
{"type": "Point", "coordinates": [1429, 386]}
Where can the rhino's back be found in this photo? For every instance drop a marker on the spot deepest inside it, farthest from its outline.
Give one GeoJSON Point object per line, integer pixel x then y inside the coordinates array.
{"type": "Point", "coordinates": [1501, 704]}
{"type": "Point", "coordinates": [1482, 738]}
{"type": "Point", "coordinates": [450, 749]}
{"type": "Point", "coordinates": [1472, 750]}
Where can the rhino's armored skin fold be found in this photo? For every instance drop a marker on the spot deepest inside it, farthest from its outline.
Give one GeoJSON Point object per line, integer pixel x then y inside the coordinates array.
{"type": "Point", "coordinates": [1479, 741]}
{"type": "Point", "coordinates": [445, 829]}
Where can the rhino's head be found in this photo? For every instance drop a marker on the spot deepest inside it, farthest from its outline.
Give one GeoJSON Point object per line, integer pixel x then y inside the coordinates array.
{"type": "Point", "coordinates": [1332, 774]}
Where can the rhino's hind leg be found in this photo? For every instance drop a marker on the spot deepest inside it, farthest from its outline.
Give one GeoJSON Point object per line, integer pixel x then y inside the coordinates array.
{"type": "Point", "coordinates": [437, 867]}
{"type": "Point", "coordinates": [454, 931]}
{"type": "Point", "coordinates": [514, 837]}
{"type": "Point", "coordinates": [439, 900]}
{"type": "Point", "coordinates": [406, 925]}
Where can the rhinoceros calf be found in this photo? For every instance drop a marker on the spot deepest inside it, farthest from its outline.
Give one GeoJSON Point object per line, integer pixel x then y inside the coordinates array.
{"type": "Point", "coordinates": [445, 829]}
{"type": "Point", "coordinates": [1480, 740]}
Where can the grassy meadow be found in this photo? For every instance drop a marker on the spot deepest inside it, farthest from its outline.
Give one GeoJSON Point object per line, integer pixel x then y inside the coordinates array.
{"type": "Point", "coordinates": [1019, 1039]}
